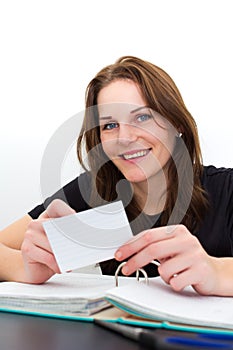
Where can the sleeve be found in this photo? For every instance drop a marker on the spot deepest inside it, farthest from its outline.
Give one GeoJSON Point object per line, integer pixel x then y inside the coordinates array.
{"type": "Point", "coordinates": [229, 185]}
{"type": "Point", "coordinates": [76, 194]}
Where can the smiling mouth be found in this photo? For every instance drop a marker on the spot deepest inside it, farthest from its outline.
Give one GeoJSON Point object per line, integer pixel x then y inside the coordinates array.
{"type": "Point", "coordinates": [134, 155]}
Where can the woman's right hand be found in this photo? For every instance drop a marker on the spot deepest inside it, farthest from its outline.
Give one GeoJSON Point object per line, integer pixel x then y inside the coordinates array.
{"type": "Point", "coordinates": [39, 261]}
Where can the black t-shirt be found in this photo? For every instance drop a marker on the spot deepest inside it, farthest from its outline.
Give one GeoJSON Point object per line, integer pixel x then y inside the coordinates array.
{"type": "Point", "coordinates": [215, 233]}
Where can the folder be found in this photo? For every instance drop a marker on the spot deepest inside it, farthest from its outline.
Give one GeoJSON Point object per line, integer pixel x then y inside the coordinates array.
{"type": "Point", "coordinates": [86, 297]}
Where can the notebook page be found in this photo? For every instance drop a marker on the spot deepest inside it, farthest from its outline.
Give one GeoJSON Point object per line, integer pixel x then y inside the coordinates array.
{"type": "Point", "coordinates": [62, 286]}
{"type": "Point", "coordinates": [88, 237]}
{"type": "Point", "coordinates": [73, 293]}
{"type": "Point", "coordinates": [158, 301]}
{"type": "Point", "coordinates": [62, 294]}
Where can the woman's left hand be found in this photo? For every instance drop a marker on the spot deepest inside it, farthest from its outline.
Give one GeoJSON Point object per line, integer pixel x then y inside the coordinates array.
{"type": "Point", "coordinates": [183, 261]}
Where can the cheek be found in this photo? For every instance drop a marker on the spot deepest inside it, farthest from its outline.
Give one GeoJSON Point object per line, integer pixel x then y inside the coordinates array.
{"type": "Point", "coordinates": [170, 138]}
{"type": "Point", "coordinates": [107, 145]}
{"type": "Point", "coordinates": [171, 141]}
{"type": "Point", "coordinates": [103, 140]}
{"type": "Point", "coordinates": [165, 143]}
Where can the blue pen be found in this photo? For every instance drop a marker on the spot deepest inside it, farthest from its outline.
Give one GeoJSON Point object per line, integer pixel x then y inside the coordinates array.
{"type": "Point", "coordinates": [168, 340]}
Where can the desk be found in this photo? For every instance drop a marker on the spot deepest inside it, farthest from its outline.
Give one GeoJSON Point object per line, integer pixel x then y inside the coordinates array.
{"type": "Point", "coordinates": [23, 332]}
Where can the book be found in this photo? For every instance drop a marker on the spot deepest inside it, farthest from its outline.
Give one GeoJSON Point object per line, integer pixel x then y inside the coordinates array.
{"type": "Point", "coordinates": [77, 294]}
{"type": "Point", "coordinates": [159, 302]}
{"type": "Point", "coordinates": [85, 297]}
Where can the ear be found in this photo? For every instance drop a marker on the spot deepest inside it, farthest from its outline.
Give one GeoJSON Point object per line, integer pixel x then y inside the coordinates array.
{"type": "Point", "coordinates": [179, 134]}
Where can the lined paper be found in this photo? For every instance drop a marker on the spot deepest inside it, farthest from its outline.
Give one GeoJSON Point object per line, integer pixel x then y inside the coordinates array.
{"type": "Point", "coordinates": [89, 237]}
{"type": "Point", "coordinates": [158, 301]}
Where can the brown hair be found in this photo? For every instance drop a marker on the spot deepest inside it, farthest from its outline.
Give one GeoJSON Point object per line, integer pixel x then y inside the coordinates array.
{"type": "Point", "coordinates": [184, 204]}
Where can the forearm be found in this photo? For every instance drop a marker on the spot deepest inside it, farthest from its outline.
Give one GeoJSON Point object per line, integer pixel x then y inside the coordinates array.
{"type": "Point", "coordinates": [11, 264]}
{"type": "Point", "coordinates": [224, 273]}
{"type": "Point", "coordinates": [13, 235]}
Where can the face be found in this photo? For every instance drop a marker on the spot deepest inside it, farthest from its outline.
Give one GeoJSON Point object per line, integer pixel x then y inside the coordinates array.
{"type": "Point", "coordinates": [136, 139]}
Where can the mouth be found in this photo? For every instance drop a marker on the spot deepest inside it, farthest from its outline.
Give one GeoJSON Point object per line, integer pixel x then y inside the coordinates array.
{"type": "Point", "coordinates": [135, 154]}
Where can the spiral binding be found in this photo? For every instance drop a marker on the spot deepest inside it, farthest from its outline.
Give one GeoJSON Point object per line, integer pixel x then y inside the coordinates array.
{"type": "Point", "coordinates": [155, 262]}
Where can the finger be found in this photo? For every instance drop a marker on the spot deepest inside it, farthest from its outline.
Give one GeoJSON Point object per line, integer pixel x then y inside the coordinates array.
{"type": "Point", "coordinates": [57, 208]}
{"type": "Point", "coordinates": [174, 266]}
{"type": "Point", "coordinates": [37, 274]}
{"type": "Point", "coordinates": [36, 235]}
{"type": "Point", "coordinates": [183, 247]}
{"type": "Point", "coordinates": [138, 260]}
{"type": "Point", "coordinates": [183, 279]}
{"type": "Point", "coordinates": [144, 239]}
{"type": "Point", "coordinates": [160, 251]}
{"type": "Point", "coordinates": [34, 254]}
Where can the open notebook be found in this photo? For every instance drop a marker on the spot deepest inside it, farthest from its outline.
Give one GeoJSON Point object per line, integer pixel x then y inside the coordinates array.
{"type": "Point", "coordinates": [85, 297]}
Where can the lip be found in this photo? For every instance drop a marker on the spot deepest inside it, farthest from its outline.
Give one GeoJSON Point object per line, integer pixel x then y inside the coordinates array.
{"type": "Point", "coordinates": [135, 155]}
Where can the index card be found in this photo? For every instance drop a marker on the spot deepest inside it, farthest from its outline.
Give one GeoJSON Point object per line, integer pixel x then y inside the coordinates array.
{"type": "Point", "coordinates": [88, 237]}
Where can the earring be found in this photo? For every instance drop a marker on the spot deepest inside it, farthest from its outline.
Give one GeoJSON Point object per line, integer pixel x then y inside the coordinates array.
{"type": "Point", "coordinates": [179, 135]}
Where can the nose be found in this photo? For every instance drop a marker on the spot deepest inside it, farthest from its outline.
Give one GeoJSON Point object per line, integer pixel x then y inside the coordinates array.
{"type": "Point", "coordinates": [127, 133]}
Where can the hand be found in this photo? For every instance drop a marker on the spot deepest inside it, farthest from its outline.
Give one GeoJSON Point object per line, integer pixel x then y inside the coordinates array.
{"type": "Point", "coordinates": [183, 260]}
{"type": "Point", "coordinates": [39, 261]}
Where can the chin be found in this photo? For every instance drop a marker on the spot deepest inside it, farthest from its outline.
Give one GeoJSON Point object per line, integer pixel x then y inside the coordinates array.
{"type": "Point", "coordinates": [135, 177]}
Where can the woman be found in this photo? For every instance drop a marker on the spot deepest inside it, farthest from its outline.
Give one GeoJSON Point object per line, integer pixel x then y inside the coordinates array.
{"type": "Point", "coordinates": [142, 147]}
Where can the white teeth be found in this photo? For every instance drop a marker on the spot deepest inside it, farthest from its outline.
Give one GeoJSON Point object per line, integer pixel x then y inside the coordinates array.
{"type": "Point", "coordinates": [134, 155]}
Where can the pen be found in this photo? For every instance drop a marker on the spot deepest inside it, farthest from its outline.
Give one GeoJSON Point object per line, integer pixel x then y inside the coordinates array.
{"type": "Point", "coordinates": [167, 340]}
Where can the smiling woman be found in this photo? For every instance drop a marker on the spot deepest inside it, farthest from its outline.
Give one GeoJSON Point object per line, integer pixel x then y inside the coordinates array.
{"type": "Point", "coordinates": [132, 139]}
{"type": "Point", "coordinates": [142, 147]}
{"type": "Point", "coordinates": [139, 109]}
{"type": "Point", "coordinates": [135, 141]}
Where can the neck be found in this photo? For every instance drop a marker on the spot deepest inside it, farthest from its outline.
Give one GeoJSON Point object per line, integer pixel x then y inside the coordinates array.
{"type": "Point", "coordinates": [151, 194]}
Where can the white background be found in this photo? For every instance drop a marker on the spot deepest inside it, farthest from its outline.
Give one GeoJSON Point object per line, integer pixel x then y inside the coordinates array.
{"type": "Point", "coordinates": [50, 50]}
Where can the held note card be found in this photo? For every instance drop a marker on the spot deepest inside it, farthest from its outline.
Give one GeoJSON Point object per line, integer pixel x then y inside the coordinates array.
{"type": "Point", "coordinates": [88, 237]}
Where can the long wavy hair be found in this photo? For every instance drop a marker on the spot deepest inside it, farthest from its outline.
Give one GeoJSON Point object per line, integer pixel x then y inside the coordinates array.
{"type": "Point", "coordinates": [186, 201]}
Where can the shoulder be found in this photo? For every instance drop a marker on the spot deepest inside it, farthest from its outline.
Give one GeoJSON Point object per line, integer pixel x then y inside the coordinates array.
{"type": "Point", "coordinates": [81, 181]}
{"type": "Point", "coordinates": [211, 170]}
{"type": "Point", "coordinates": [78, 191]}
{"type": "Point", "coordinates": [217, 180]}
{"type": "Point", "coordinates": [217, 228]}
{"type": "Point", "coordinates": [211, 173]}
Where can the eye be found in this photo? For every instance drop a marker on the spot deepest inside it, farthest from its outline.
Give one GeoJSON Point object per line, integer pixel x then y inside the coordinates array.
{"type": "Point", "coordinates": [110, 126]}
{"type": "Point", "coordinates": [143, 117]}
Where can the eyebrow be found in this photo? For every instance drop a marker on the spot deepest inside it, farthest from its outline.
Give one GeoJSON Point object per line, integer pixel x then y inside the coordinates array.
{"type": "Point", "coordinates": [106, 118]}
{"type": "Point", "coordinates": [133, 111]}
{"type": "Point", "coordinates": [138, 109]}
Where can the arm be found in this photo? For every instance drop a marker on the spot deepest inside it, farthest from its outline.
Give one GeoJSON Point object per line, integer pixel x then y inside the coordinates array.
{"type": "Point", "coordinates": [25, 253]}
{"type": "Point", "coordinates": [39, 261]}
{"type": "Point", "coordinates": [11, 264]}
{"type": "Point", "coordinates": [183, 260]}
{"type": "Point", "coordinates": [11, 238]}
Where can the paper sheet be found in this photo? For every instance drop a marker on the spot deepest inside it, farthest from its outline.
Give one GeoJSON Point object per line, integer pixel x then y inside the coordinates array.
{"type": "Point", "coordinates": [88, 237]}
{"type": "Point", "coordinates": [159, 301]}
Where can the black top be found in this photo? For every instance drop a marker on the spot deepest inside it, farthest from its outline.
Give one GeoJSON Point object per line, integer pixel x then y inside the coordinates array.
{"type": "Point", "coordinates": [215, 233]}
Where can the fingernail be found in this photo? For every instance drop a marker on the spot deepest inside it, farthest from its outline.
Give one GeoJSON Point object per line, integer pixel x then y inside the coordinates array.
{"type": "Point", "coordinates": [125, 270]}
{"type": "Point", "coordinates": [118, 255]}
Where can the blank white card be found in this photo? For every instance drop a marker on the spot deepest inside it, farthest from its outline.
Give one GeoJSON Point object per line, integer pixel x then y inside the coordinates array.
{"type": "Point", "coordinates": [88, 237]}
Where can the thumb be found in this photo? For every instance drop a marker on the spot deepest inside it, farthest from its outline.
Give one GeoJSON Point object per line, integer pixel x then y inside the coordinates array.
{"type": "Point", "coordinates": [56, 209]}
